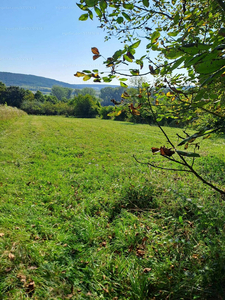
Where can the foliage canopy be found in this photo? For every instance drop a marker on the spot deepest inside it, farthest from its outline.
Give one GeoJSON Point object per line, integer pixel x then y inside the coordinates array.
{"type": "Point", "coordinates": [188, 35]}
{"type": "Point", "coordinates": [188, 40]}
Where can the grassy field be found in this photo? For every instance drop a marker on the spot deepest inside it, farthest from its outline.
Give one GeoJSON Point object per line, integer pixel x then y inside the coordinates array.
{"type": "Point", "coordinates": [81, 219]}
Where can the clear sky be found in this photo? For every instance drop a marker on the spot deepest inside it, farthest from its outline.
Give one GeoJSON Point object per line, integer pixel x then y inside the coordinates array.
{"type": "Point", "coordinates": [45, 38]}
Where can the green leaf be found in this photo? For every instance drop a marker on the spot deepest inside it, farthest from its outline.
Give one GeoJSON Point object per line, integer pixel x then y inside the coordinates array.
{"type": "Point", "coordinates": [103, 5]}
{"type": "Point", "coordinates": [155, 36]}
{"type": "Point", "coordinates": [213, 77]}
{"type": "Point", "coordinates": [123, 79]}
{"type": "Point", "coordinates": [181, 220]}
{"type": "Point", "coordinates": [98, 12]}
{"type": "Point", "coordinates": [115, 113]}
{"type": "Point", "coordinates": [79, 74]}
{"type": "Point", "coordinates": [123, 84]}
{"type": "Point", "coordinates": [173, 33]}
{"type": "Point", "coordinates": [172, 53]}
{"type": "Point", "coordinates": [145, 84]}
{"type": "Point", "coordinates": [195, 135]}
{"type": "Point", "coordinates": [91, 3]}
{"type": "Point", "coordinates": [83, 17]}
{"type": "Point", "coordinates": [117, 54]}
{"type": "Point", "coordinates": [87, 71]}
{"type": "Point", "coordinates": [207, 67]}
{"type": "Point", "coordinates": [177, 63]}
{"type": "Point", "coordinates": [81, 6]}
{"type": "Point", "coordinates": [146, 3]}
{"type": "Point", "coordinates": [126, 16]}
{"type": "Point", "coordinates": [119, 20]}
{"type": "Point", "coordinates": [140, 62]}
{"type": "Point", "coordinates": [128, 5]}
{"type": "Point", "coordinates": [193, 48]}
{"type": "Point", "coordinates": [106, 79]}
{"type": "Point", "coordinates": [188, 154]}
{"type": "Point", "coordinates": [198, 104]}
{"type": "Point", "coordinates": [176, 18]}
{"type": "Point", "coordinates": [135, 45]}
{"type": "Point", "coordinates": [126, 57]}
{"type": "Point", "coordinates": [134, 72]}
{"type": "Point", "coordinates": [199, 95]}
{"type": "Point", "coordinates": [86, 77]}
{"type": "Point", "coordinates": [190, 62]}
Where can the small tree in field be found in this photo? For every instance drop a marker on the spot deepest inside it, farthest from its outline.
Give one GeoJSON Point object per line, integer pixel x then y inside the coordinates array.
{"type": "Point", "coordinates": [187, 39]}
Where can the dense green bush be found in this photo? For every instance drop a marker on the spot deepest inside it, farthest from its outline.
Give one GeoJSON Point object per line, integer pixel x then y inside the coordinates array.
{"type": "Point", "coordinates": [84, 106]}
{"type": "Point", "coordinates": [105, 110]}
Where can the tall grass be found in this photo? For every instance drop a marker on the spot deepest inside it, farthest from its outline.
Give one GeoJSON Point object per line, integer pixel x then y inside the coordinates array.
{"type": "Point", "coordinates": [9, 113]}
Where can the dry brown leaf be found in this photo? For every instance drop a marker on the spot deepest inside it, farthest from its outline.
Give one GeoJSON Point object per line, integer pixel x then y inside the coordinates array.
{"type": "Point", "coordinates": [22, 278]}
{"type": "Point", "coordinates": [147, 270]}
{"type": "Point", "coordinates": [140, 253]}
{"type": "Point", "coordinates": [32, 268]}
{"type": "Point", "coordinates": [7, 270]}
{"type": "Point", "coordinates": [11, 256]}
{"type": "Point", "coordinates": [94, 50]}
{"type": "Point", "coordinates": [96, 56]}
{"type": "Point", "coordinates": [166, 152]}
{"type": "Point", "coordinates": [154, 150]}
{"type": "Point", "coordinates": [30, 287]}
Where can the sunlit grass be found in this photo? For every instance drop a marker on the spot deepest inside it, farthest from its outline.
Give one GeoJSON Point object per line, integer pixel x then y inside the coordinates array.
{"type": "Point", "coordinates": [9, 113]}
{"type": "Point", "coordinates": [81, 219]}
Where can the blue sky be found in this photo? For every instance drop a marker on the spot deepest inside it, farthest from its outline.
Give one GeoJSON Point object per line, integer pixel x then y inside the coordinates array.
{"type": "Point", "coordinates": [45, 38]}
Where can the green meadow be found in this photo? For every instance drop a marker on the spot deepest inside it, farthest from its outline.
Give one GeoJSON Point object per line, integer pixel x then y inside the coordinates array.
{"type": "Point", "coordinates": [81, 219]}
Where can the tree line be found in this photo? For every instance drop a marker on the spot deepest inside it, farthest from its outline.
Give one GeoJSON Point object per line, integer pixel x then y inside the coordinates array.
{"type": "Point", "coordinates": [87, 103]}
{"type": "Point", "coordinates": [83, 103]}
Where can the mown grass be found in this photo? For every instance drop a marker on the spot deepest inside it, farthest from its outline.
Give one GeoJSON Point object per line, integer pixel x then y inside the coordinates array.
{"type": "Point", "coordinates": [81, 219]}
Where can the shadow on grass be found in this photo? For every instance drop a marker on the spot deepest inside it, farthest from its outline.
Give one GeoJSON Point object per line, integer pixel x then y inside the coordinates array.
{"type": "Point", "coordinates": [135, 199]}
{"type": "Point", "coordinates": [213, 169]}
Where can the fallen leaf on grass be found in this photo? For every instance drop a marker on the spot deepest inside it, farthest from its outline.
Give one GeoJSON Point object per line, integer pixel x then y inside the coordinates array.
{"type": "Point", "coordinates": [106, 290]}
{"type": "Point", "coordinates": [22, 278]}
{"type": "Point", "coordinates": [11, 256]}
{"type": "Point", "coordinates": [140, 253]}
{"type": "Point", "coordinates": [103, 244]}
{"type": "Point", "coordinates": [32, 268]}
{"type": "Point", "coordinates": [147, 270]}
{"type": "Point", "coordinates": [7, 270]}
{"type": "Point", "coordinates": [30, 287]}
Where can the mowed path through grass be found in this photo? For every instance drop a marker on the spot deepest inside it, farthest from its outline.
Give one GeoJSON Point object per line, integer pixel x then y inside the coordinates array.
{"type": "Point", "coordinates": [81, 219]}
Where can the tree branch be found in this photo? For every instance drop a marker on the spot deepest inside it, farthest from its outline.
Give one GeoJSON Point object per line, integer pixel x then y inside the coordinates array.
{"type": "Point", "coordinates": [158, 167]}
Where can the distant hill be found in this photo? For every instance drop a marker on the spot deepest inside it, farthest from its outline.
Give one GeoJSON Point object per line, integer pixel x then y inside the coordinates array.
{"type": "Point", "coordinates": [35, 83]}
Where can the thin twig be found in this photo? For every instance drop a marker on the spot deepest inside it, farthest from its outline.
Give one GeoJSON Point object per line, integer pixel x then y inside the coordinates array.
{"type": "Point", "coordinates": [158, 167]}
